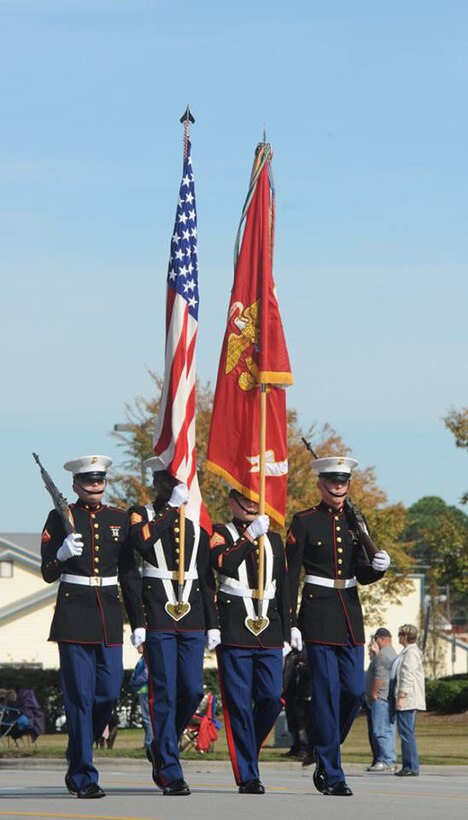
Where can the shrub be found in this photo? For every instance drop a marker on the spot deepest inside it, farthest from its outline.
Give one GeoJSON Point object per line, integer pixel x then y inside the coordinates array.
{"type": "Point", "coordinates": [447, 696]}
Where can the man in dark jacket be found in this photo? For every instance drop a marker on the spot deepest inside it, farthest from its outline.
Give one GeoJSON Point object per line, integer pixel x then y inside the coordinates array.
{"type": "Point", "coordinates": [176, 629]}
{"type": "Point", "coordinates": [250, 654]}
{"type": "Point", "coordinates": [87, 622]}
{"type": "Point", "coordinates": [322, 540]}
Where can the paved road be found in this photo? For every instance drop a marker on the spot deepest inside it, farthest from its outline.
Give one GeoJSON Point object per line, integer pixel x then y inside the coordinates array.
{"type": "Point", "coordinates": [35, 789]}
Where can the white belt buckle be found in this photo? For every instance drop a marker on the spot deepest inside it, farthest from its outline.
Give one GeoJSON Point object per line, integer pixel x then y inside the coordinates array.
{"type": "Point", "coordinates": [95, 581]}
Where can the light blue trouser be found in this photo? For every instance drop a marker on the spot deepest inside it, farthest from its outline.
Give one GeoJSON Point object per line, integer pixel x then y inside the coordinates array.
{"type": "Point", "coordinates": [406, 721]}
{"type": "Point", "coordinates": [384, 732]}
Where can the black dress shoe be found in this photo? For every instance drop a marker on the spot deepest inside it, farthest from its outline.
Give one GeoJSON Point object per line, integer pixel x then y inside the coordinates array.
{"type": "Point", "coordinates": [252, 787]}
{"type": "Point", "coordinates": [291, 753]}
{"type": "Point", "coordinates": [92, 790]}
{"type": "Point", "coordinates": [318, 777]}
{"type": "Point", "coordinates": [407, 773]}
{"type": "Point", "coordinates": [338, 790]}
{"type": "Point", "coordinates": [178, 788]}
{"type": "Point", "coordinates": [69, 784]}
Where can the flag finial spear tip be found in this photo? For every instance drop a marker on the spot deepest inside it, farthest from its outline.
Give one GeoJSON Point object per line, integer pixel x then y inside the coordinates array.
{"type": "Point", "coordinates": [187, 116]}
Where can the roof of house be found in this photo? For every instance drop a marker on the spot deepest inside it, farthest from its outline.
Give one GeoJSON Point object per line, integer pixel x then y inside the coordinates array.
{"type": "Point", "coordinates": [24, 548]}
{"type": "Point", "coordinates": [29, 542]}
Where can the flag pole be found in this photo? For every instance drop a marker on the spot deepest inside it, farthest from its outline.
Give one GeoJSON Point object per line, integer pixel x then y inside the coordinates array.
{"type": "Point", "coordinates": [261, 505]}
{"type": "Point", "coordinates": [186, 119]}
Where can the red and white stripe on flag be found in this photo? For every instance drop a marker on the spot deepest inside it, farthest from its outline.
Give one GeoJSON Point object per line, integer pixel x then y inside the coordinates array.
{"type": "Point", "coordinates": [174, 437]}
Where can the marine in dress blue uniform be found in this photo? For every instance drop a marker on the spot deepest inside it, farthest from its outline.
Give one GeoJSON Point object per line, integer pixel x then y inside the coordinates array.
{"type": "Point", "coordinates": [322, 541]}
{"type": "Point", "coordinates": [87, 622]}
{"type": "Point", "coordinates": [174, 643]}
{"type": "Point", "coordinates": [250, 663]}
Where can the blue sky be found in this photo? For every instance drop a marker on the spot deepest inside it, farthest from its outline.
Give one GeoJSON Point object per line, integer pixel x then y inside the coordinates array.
{"type": "Point", "coordinates": [364, 104]}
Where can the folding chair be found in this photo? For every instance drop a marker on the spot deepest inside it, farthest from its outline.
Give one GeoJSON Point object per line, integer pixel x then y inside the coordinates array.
{"type": "Point", "coordinates": [8, 718]}
{"type": "Point", "coordinates": [202, 731]}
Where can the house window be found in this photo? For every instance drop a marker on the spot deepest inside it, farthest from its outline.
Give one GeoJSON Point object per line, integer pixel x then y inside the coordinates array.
{"type": "Point", "coordinates": [6, 569]}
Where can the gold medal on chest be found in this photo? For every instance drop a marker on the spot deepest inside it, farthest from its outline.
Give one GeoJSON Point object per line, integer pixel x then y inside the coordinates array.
{"type": "Point", "coordinates": [177, 611]}
{"type": "Point", "coordinates": [257, 625]}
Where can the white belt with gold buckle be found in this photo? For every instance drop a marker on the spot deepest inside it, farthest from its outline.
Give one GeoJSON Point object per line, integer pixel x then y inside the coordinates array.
{"type": "Point", "coordinates": [89, 581]}
{"type": "Point", "coordinates": [331, 583]}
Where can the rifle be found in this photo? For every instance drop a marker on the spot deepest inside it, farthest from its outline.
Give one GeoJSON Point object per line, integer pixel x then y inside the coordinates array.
{"type": "Point", "coordinates": [356, 522]}
{"type": "Point", "coordinates": [60, 502]}
{"type": "Point", "coordinates": [354, 517]}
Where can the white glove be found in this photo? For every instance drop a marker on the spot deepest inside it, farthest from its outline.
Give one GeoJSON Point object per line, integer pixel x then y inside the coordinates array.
{"type": "Point", "coordinates": [72, 546]}
{"type": "Point", "coordinates": [296, 639]}
{"type": "Point", "coordinates": [258, 527]}
{"type": "Point", "coordinates": [138, 636]}
{"type": "Point", "coordinates": [381, 561]}
{"type": "Point", "coordinates": [286, 649]}
{"type": "Point", "coordinates": [213, 639]}
{"type": "Point", "coordinates": [180, 495]}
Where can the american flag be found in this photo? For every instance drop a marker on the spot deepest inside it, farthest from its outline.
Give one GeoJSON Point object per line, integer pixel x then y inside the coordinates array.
{"type": "Point", "coordinates": [174, 437]}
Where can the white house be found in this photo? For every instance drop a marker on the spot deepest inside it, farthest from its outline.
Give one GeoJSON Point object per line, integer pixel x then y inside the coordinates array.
{"type": "Point", "coordinates": [27, 606]}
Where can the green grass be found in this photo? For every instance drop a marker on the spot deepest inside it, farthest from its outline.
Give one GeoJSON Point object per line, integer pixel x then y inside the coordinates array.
{"type": "Point", "coordinates": [442, 740]}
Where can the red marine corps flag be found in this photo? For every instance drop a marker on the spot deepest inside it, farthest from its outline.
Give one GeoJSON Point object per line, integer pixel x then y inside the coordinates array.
{"type": "Point", "coordinates": [174, 437]}
{"type": "Point", "coordinates": [247, 444]}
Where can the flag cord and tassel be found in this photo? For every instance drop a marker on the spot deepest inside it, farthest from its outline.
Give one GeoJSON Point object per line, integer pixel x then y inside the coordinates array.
{"type": "Point", "coordinates": [261, 505]}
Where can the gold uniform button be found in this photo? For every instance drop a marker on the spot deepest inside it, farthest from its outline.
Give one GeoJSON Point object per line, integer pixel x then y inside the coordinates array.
{"type": "Point", "coordinates": [93, 515]}
{"type": "Point", "coordinates": [257, 552]}
{"type": "Point", "coordinates": [96, 525]}
{"type": "Point", "coordinates": [340, 549]}
{"type": "Point", "coordinates": [176, 529]}
{"type": "Point", "coordinates": [96, 570]}
{"type": "Point", "coordinates": [338, 529]}
{"type": "Point", "coordinates": [339, 539]}
{"type": "Point", "coordinates": [340, 560]}
{"type": "Point", "coordinates": [177, 551]}
{"type": "Point", "coordinates": [177, 540]}
{"type": "Point", "coordinates": [96, 535]}
{"type": "Point", "coordinates": [97, 547]}
{"type": "Point", "coordinates": [337, 517]}
{"type": "Point", "coordinates": [96, 560]}
{"type": "Point", "coordinates": [339, 572]}
{"type": "Point", "coordinates": [319, 543]}
{"type": "Point", "coordinates": [115, 538]}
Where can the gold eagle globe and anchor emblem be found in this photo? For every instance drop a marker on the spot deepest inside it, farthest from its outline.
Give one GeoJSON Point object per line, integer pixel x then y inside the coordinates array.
{"type": "Point", "coordinates": [246, 320]}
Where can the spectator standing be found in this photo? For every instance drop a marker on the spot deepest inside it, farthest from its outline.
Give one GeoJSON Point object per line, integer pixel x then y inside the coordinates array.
{"type": "Point", "coordinates": [372, 651]}
{"type": "Point", "coordinates": [382, 727]}
{"type": "Point", "coordinates": [410, 697]}
{"type": "Point", "coordinates": [139, 686]}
